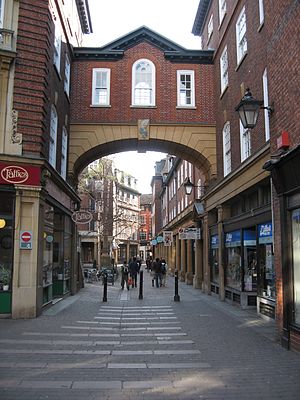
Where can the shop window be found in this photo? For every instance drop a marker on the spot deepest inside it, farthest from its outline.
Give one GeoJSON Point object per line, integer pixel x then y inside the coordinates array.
{"type": "Point", "coordinates": [266, 272]}
{"type": "Point", "coordinates": [214, 258]}
{"type": "Point", "coordinates": [296, 262]}
{"type": "Point", "coordinates": [185, 89]}
{"type": "Point", "coordinates": [6, 242]}
{"type": "Point", "coordinates": [233, 268]}
{"type": "Point", "coordinates": [143, 83]}
{"type": "Point", "coordinates": [250, 260]}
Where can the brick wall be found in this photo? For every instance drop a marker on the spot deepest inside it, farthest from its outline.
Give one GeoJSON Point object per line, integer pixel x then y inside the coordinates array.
{"type": "Point", "coordinates": [166, 90]}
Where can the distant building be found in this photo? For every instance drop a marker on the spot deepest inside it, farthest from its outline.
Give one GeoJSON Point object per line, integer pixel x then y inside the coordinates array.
{"type": "Point", "coordinates": [145, 232]}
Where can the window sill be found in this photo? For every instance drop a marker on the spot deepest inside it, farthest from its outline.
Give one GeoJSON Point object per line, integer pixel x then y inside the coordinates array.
{"type": "Point", "coordinates": [241, 61]}
{"type": "Point", "coordinates": [186, 108]}
{"type": "Point", "coordinates": [224, 91]}
{"type": "Point", "coordinates": [260, 26]}
{"type": "Point", "coordinates": [137, 106]}
{"type": "Point", "coordinates": [100, 105]}
{"type": "Point", "coordinates": [221, 22]}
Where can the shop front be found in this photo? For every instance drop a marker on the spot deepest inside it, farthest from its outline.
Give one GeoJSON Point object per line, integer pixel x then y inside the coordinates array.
{"type": "Point", "coordinates": [214, 264]}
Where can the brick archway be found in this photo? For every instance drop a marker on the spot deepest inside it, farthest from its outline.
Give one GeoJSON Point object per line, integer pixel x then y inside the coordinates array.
{"type": "Point", "coordinates": [194, 143]}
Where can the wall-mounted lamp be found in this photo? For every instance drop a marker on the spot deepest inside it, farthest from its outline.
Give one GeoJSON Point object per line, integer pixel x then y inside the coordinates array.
{"type": "Point", "coordinates": [248, 109]}
{"type": "Point", "coordinates": [188, 186]}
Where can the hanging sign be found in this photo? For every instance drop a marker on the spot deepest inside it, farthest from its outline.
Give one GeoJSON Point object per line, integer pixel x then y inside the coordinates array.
{"type": "Point", "coordinates": [168, 238]}
{"type": "Point", "coordinates": [154, 242]}
{"type": "Point", "coordinates": [26, 240]}
{"type": "Point", "coordinates": [82, 217]}
{"type": "Point", "coordinates": [189, 233]}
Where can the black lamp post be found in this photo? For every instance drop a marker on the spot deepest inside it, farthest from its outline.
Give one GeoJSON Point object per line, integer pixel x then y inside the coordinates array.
{"type": "Point", "coordinates": [248, 109]}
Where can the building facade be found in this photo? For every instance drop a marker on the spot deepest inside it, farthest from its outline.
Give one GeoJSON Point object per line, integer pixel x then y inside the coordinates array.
{"type": "Point", "coordinates": [38, 236]}
{"type": "Point", "coordinates": [145, 232]}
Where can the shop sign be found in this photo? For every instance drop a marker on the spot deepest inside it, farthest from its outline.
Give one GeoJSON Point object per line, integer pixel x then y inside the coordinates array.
{"type": "Point", "coordinates": [214, 242]}
{"type": "Point", "coordinates": [153, 242]}
{"type": "Point", "coordinates": [159, 239]}
{"type": "Point", "coordinates": [265, 233]}
{"type": "Point", "coordinates": [168, 238]}
{"type": "Point", "coordinates": [249, 237]}
{"type": "Point", "coordinates": [233, 239]}
{"type": "Point", "coordinates": [82, 217]}
{"type": "Point", "coordinates": [26, 240]}
{"type": "Point", "coordinates": [16, 174]}
{"type": "Point", "coordinates": [189, 233]}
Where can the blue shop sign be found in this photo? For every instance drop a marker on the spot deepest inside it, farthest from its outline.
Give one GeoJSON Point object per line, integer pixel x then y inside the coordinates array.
{"type": "Point", "coordinates": [265, 233]}
{"type": "Point", "coordinates": [233, 239]}
{"type": "Point", "coordinates": [249, 237]}
{"type": "Point", "coordinates": [214, 242]}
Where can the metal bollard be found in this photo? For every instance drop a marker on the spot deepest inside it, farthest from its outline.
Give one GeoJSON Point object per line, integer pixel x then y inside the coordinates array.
{"type": "Point", "coordinates": [141, 285]}
{"type": "Point", "coordinates": [176, 297]}
{"type": "Point", "coordinates": [104, 287]}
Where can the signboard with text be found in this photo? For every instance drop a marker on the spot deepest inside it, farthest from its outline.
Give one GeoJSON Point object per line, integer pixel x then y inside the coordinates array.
{"type": "Point", "coordinates": [189, 233]}
{"type": "Point", "coordinates": [20, 174]}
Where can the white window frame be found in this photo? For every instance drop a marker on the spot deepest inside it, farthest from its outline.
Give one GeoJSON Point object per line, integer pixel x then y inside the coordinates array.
{"type": "Point", "coordinates": [182, 90]}
{"type": "Point", "coordinates": [224, 69]}
{"type": "Point", "coordinates": [266, 104]}
{"type": "Point", "coordinates": [57, 48]}
{"type": "Point", "coordinates": [245, 141]}
{"type": "Point", "coordinates": [143, 86]}
{"type": "Point", "coordinates": [53, 137]}
{"type": "Point", "coordinates": [210, 27]}
{"type": "Point", "coordinates": [241, 39]}
{"type": "Point", "coordinates": [2, 6]}
{"type": "Point", "coordinates": [222, 10]}
{"type": "Point", "coordinates": [226, 148]}
{"type": "Point", "coordinates": [101, 90]}
{"type": "Point", "coordinates": [64, 153]}
{"type": "Point", "coordinates": [261, 11]}
{"type": "Point", "coordinates": [67, 75]}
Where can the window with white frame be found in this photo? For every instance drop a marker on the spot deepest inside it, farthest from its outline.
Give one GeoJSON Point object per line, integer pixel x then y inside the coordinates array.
{"type": "Point", "coordinates": [143, 83]}
{"type": "Point", "coordinates": [101, 87]}
{"type": "Point", "coordinates": [185, 88]}
{"type": "Point", "coordinates": [57, 48]}
{"type": "Point", "coordinates": [2, 5]}
{"type": "Point", "coordinates": [67, 75]}
{"type": "Point", "coordinates": [222, 10]}
{"type": "Point", "coordinates": [226, 149]}
{"type": "Point", "coordinates": [266, 104]}
{"type": "Point", "coordinates": [261, 11]}
{"type": "Point", "coordinates": [210, 27]}
{"type": "Point", "coordinates": [53, 137]}
{"type": "Point", "coordinates": [64, 153]}
{"type": "Point", "coordinates": [241, 40]}
{"type": "Point", "coordinates": [224, 69]}
{"type": "Point", "coordinates": [245, 140]}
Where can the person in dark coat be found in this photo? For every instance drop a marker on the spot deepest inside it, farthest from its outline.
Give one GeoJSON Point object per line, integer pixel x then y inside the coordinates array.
{"type": "Point", "coordinates": [124, 275]}
{"type": "Point", "coordinates": [156, 268]}
{"type": "Point", "coordinates": [133, 269]}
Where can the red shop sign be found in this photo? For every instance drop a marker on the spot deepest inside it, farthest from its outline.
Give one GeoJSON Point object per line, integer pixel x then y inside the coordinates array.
{"type": "Point", "coordinates": [17, 174]}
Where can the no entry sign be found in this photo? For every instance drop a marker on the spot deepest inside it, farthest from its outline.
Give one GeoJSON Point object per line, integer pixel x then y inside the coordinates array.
{"type": "Point", "coordinates": [26, 240]}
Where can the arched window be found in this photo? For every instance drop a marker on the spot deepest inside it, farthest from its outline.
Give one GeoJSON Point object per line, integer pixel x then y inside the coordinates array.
{"type": "Point", "coordinates": [143, 83]}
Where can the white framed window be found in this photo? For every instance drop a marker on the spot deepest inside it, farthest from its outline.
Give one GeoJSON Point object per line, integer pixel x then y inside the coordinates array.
{"type": "Point", "coordinates": [224, 69]}
{"type": "Point", "coordinates": [143, 83]}
{"type": "Point", "coordinates": [266, 104]}
{"type": "Point", "coordinates": [67, 75]}
{"type": "Point", "coordinates": [53, 137]}
{"type": "Point", "coordinates": [185, 88]}
{"type": "Point", "coordinates": [222, 10]}
{"type": "Point", "coordinates": [261, 11]}
{"type": "Point", "coordinates": [241, 40]}
{"type": "Point", "coordinates": [210, 27]}
{"type": "Point", "coordinates": [2, 5]}
{"type": "Point", "coordinates": [57, 48]}
{"type": "Point", "coordinates": [245, 140]}
{"type": "Point", "coordinates": [64, 153]}
{"type": "Point", "coordinates": [226, 149]}
{"type": "Point", "coordinates": [101, 87]}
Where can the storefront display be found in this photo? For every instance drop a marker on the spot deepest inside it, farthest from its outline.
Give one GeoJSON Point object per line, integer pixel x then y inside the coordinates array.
{"type": "Point", "coordinates": [266, 281]}
{"type": "Point", "coordinates": [233, 270]}
{"type": "Point", "coordinates": [250, 260]}
{"type": "Point", "coordinates": [214, 257]}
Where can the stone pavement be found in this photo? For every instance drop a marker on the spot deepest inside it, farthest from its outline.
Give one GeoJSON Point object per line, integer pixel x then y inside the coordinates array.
{"type": "Point", "coordinates": [140, 349]}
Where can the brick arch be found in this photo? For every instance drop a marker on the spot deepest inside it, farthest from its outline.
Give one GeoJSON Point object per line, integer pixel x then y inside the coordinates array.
{"type": "Point", "coordinates": [194, 143]}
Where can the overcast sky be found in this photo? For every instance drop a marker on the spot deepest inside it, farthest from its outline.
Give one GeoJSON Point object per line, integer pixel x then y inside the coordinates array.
{"type": "Point", "coordinates": [113, 19]}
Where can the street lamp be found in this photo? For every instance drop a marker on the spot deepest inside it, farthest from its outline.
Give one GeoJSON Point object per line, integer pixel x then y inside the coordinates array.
{"type": "Point", "coordinates": [248, 109]}
{"type": "Point", "coordinates": [188, 186]}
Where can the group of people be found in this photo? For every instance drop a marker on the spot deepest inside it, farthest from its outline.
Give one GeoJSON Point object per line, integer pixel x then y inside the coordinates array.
{"type": "Point", "coordinates": [130, 271]}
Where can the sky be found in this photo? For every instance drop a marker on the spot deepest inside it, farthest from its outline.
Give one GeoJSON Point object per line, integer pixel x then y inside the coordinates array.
{"type": "Point", "coordinates": [113, 19]}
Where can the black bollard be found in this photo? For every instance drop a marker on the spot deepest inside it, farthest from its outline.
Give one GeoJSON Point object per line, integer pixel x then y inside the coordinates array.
{"type": "Point", "coordinates": [176, 297]}
{"type": "Point", "coordinates": [141, 285]}
{"type": "Point", "coordinates": [105, 287]}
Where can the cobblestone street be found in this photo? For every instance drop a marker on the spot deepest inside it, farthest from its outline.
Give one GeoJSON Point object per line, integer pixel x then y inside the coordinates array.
{"type": "Point", "coordinates": [140, 349]}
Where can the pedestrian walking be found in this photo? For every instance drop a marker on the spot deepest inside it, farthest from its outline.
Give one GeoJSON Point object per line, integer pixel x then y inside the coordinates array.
{"type": "Point", "coordinates": [124, 275]}
{"type": "Point", "coordinates": [164, 268]}
{"type": "Point", "coordinates": [133, 269]}
{"type": "Point", "coordinates": [156, 268]}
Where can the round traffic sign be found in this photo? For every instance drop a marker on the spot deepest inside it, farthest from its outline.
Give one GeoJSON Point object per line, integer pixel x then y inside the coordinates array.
{"type": "Point", "coordinates": [26, 236]}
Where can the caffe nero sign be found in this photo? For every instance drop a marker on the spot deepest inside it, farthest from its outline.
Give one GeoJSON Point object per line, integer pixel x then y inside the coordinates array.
{"type": "Point", "coordinates": [82, 217]}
